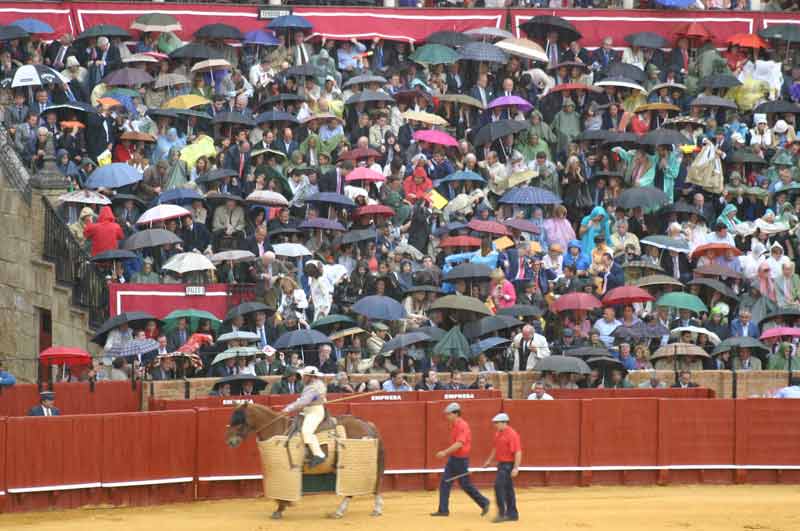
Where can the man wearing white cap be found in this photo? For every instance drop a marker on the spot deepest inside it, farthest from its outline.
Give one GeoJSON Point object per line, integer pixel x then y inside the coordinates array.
{"type": "Point", "coordinates": [311, 401]}
{"type": "Point", "coordinates": [457, 455]}
{"type": "Point", "coordinates": [507, 451]}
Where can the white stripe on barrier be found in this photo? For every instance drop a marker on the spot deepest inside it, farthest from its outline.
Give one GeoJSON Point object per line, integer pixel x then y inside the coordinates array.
{"type": "Point", "coordinates": [48, 488]}
{"type": "Point", "coordinates": [145, 482]}
{"type": "Point", "coordinates": [2, 493]}
{"type": "Point", "coordinates": [230, 478]}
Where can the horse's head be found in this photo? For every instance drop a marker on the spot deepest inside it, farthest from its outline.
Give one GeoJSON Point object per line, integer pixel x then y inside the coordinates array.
{"type": "Point", "coordinates": [238, 427]}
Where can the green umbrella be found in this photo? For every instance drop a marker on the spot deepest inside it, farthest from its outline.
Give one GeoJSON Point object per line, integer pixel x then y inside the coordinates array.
{"type": "Point", "coordinates": [453, 344]}
{"type": "Point", "coordinates": [739, 342]}
{"type": "Point", "coordinates": [332, 319]}
{"type": "Point", "coordinates": [235, 352]}
{"type": "Point", "coordinates": [124, 92]}
{"type": "Point", "coordinates": [194, 316]}
{"type": "Point", "coordinates": [168, 42]}
{"type": "Point", "coordinates": [682, 301]}
{"type": "Point", "coordinates": [435, 54]}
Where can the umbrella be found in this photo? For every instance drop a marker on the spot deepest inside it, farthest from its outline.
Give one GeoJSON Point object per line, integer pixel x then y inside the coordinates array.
{"type": "Point", "coordinates": [275, 116]}
{"type": "Point", "coordinates": [587, 352]}
{"type": "Point", "coordinates": [380, 308]}
{"type": "Point", "coordinates": [482, 52]}
{"type": "Point", "coordinates": [261, 38]}
{"type": "Point", "coordinates": [219, 31]}
{"type": "Point", "coordinates": [234, 255]}
{"type": "Point", "coordinates": [405, 340]}
{"type": "Point", "coordinates": [84, 197]}
{"type": "Point", "coordinates": [136, 348]}
{"type": "Point", "coordinates": [780, 331]}
{"type": "Point", "coordinates": [521, 310]}
{"type": "Point", "coordinates": [714, 284]}
{"type": "Point", "coordinates": [359, 153]}
{"type": "Point", "coordinates": [235, 352]}
{"type": "Point", "coordinates": [620, 139]}
{"type": "Point", "coordinates": [332, 319]}
{"type": "Point", "coordinates": [682, 207]}
{"type": "Point", "coordinates": [575, 301]}
{"type": "Point", "coordinates": [178, 196]}
{"type": "Point", "coordinates": [362, 173]}
{"type": "Point", "coordinates": [618, 81]}
{"type": "Point", "coordinates": [114, 175]}
{"type": "Point", "coordinates": [679, 349]}
{"type": "Point", "coordinates": [448, 38]}
{"type": "Point", "coordinates": [717, 270]}
{"type": "Point", "coordinates": [37, 75]}
{"type": "Point", "coordinates": [643, 196]}
{"type": "Point", "coordinates": [192, 316]}
{"type": "Point", "coordinates": [322, 224]}
{"type": "Point", "coordinates": [186, 262]}
{"type": "Point", "coordinates": [462, 175]}
{"type": "Point", "coordinates": [463, 99]}
{"type": "Point", "coordinates": [713, 101]}
{"type": "Point", "coordinates": [424, 117]}
{"type": "Point", "coordinates": [267, 198]}
{"type": "Point", "coordinates": [103, 30]}
{"type": "Point", "coordinates": [682, 301]}
{"type": "Point", "coordinates": [605, 363]}
{"type": "Point", "coordinates": [494, 130]}
{"type": "Point", "coordinates": [747, 40]}
{"type": "Point", "coordinates": [695, 330]}
{"type": "Point", "coordinates": [490, 324]}
{"type": "Point", "coordinates": [488, 227]}
{"type": "Point", "coordinates": [720, 81]}
{"type": "Point", "coordinates": [433, 332]}
{"type": "Point", "coordinates": [778, 106]}
{"type": "Point", "coordinates": [642, 264]}
{"type": "Point", "coordinates": [33, 26]}
{"type": "Point", "coordinates": [522, 225]}
{"type": "Point", "coordinates": [657, 106]}
{"type": "Point", "coordinates": [156, 22]}
{"type": "Point", "coordinates": [300, 338]}
{"type": "Point", "coordinates": [369, 96]}
{"type": "Point", "coordinates": [567, 87]}
{"type": "Point", "coordinates": [136, 136]}
{"type": "Point", "coordinates": [237, 381]}
{"type": "Point", "coordinates": [511, 101]}
{"type": "Point", "coordinates": [282, 98]}
{"type": "Point", "coordinates": [435, 54]}
{"type": "Point", "coordinates": [289, 22]}
{"type": "Point", "coordinates": [739, 342]}
{"type": "Point", "coordinates": [210, 65]}
{"type": "Point", "coordinates": [246, 308]}
{"type": "Point", "coordinates": [561, 364]}
{"type": "Point", "coordinates": [291, 250]}
{"type": "Point", "coordinates": [361, 235]}
{"type": "Point", "coordinates": [489, 31]}
{"type": "Point", "coordinates": [540, 25]}
{"type": "Point", "coordinates": [347, 332]}
{"type": "Point", "coordinates": [234, 118]}
{"type": "Point", "coordinates": [216, 175]}
{"type": "Point", "coordinates": [306, 70]}
{"type": "Point", "coordinates": [714, 249]}
{"type": "Point", "coordinates": [187, 101]}
{"type": "Point", "coordinates": [782, 32]}
{"type": "Point", "coordinates": [452, 345]}
{"type": "Point", "coordinates": [647, 39]}
{"type": "Point", "coordinates": [667, 243]}
{"type": "Point", "coordinates": [595, 135]}
{"type": "Point", "coordinates": [657, 280]}
{"type": "Point", "coordinates": [163, 212]}
{"type": "Point", "coordinates": [695, 30]}
{"type": "Point", "coordinates": [523, 48]}
{"type": "Point", "coordinates": [69, 356]}
{"type": "Point", "coordinates": [461, 303]}
{"type": "Point", "coordinates": [662, 136]}
{"type": "Point", "coordinates": [196, 50]}
{"type": "Point", "coordinates": [639, 331]}
{"type": "Point", "coordinates": [529, 195]}
{"type": "Point", "coordinates": [118, 320]}
{"type": "Point", "coordinates": [12, 32]}
{"type": "Point", "coordinates": [373, 210]}
{"type": "Point", "coordinates": [625, 70]}
{"type": "Point", "coordinates": [487, 344]}
{"type": "Point", "coordinates": [781, 313]}
{"type": "Point", "coordinates": [150, 238]}
{"type": "Point", "coordinates": [459, 241]}
{"type": "Point", "coordinates": [433, 136]}
{"type": "Point", "coordinates": [113, 254]}
{"type": "Point", "coordinates": [626, 295]}
{"type": "Point", "coordinates": [364, 79]}
{"type": "Point", "coordinates": [467, 271]}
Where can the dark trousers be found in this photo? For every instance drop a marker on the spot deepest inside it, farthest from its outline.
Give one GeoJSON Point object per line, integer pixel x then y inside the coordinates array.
{"type": "Point", "coordinates": [455, 467]}
{"type": "Point", "coordinates": [504, 491]}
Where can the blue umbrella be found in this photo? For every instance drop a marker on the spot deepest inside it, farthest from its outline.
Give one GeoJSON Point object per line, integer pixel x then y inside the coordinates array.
{"type": "Point", "coordinates": [261, 38]}
{"type": "Point", "coordinates": [275, 116]}
{"type": "Point", "coordinates": [380, 308]}
{"type": "Point", "coordinates": [289, 22]}
{"type": "Point", "coordinates": [145, 350]}
{"type": "Point", "coordinates": [115, 175]}
{"type": "Point", "coordinates": [463, 175]}
{"type": "Point", "coordinates": [332, 198]}
{"type": "Point", "coordinates": [32, 25]}
{"type": "Point", "coordinates": [300, 338]}
{"type": "Point", "coordinates": [488, 344]}
{"type": "Point", "coordinates": [178, 196]}
{"type": "Point", "coordinates": [680, 4]}
{"type": "Point", "coordinates": [323, 224]}
{"type": "Point", "coordinates": [124, 99]}
{"type": "Point", "coordinates": [530, 195]}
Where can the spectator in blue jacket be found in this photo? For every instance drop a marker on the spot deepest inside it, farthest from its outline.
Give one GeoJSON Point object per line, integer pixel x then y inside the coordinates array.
{"type": "Point", "coordinates": [6, 378]}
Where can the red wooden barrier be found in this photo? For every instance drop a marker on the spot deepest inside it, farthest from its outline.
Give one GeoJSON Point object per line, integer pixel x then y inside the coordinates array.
{"type": "Point", "coordinates": [461, 394]}
{"type": "Point", "coordinates": [73, 398]}
{"type": "Point", "coordinates": [3, 496]}
{"type": "Point", "coordinates": [149, 458]}
{"type": "Point", "coordinates": [767, 433]}
{"type": "Point", "coordinates": [693, 392]}
{"type": "Point", "coordinates": [15, 401]}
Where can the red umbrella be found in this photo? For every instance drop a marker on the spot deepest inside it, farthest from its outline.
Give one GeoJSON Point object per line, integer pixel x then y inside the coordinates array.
{"type": "Point", "coordinates": [747, 40]}
{"type": "Point", "coordinates": [460, 241]}
{"type": "Point", "coordinates": [780, 331]}
{"type": "Point", "coordinates": [694, 30]}
{"type": "Point", "coordinates": [373, 210]}
{"type": "Point", "coordinates": [714, 248]}
{"type": "Point", "coordinates": [522, 225]}
{"type": "Point", "coordinates": [626, 295]}
{"type": "Point", "coordinates": [572, 86]}
{"type": "Point", "coordinates": [433, 136]}
{"type": "Point", "coordinates": [490, 227]}
{"type": "Point", "coordinates": [364, 174]}
{"type": "Point", "coordinates": [359, 153]}
{"type": "Point", "coordinates": [69, 356]}
{"type": "Point", "coordinates": [575, 301]}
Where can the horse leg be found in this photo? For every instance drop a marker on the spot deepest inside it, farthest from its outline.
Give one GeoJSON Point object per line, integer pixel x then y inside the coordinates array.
{"type": "Point", "coordinates": [278, 514]}
{"type": "Point", "coordinates": [377, 509]}
{"type": "Point", "coordinates": [342, 508]}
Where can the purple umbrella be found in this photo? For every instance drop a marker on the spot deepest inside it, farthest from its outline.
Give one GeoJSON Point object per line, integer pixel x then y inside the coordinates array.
{"type": "Point", "coordinates": [522, 225]}
{"type": "Point", "coordinates": [505, 101]}
{"type": "Point", "coordinates": [323, 224]}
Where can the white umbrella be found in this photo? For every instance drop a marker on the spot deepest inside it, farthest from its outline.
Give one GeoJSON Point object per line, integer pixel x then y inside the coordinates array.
{"type": "Point", "coordinates": [140, 58]}
{"type": "Point", "coordinates": [85, 197]}
{"type": "Point", "coordinates": [523, 48]}
{"type": "Point", "coordinates": [185, 262]}
{"type": "Point", "coordinates": [620, 83]}
{"type": "Point", "coordinates": [490, 32]}
{"type": "Point", "coordinates": [267, 198]}
{"type": "Point", "coordinates": [232, 256]}
{"type": "Point", "coordinates": [162, 212]}
{"type": "Point", "coordinates": [210, 64]}
{"type": "Point", "coordinates": [292, 250]}
{"type": "Point", "coordinates": [36, 75]}
{"type": "Point", "coordinates": [714, 338]}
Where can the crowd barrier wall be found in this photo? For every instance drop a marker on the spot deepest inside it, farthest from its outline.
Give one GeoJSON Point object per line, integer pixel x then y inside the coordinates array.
{"type": "Point", "coordinates": [73, 398]}
{"type": "Point", "coordinates": [135, 459]}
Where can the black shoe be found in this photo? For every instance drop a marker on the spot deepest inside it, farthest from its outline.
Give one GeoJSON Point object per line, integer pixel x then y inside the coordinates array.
{"type": "Point", "coordinates": [485, 509]}
{"type": "Point", "coordinates": [315, 461]}
{"type": "Point", "coordinates": [499, 519]}
{"type": "Point", "coordinates": [437, 513]}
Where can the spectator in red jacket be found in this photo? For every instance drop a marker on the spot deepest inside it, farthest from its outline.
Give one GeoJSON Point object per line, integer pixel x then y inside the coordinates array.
{"type": "Point", "coordinates": [105, 234]}
{"type": "Point", "coordinates": [417, 185]}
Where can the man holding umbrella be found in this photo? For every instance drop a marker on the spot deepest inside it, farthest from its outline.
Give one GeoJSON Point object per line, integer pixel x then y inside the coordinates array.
{"type": "Point", "coordinates": [507, 451]}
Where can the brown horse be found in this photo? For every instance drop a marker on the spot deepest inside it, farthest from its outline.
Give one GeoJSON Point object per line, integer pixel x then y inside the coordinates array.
{"type": "Point", "coordinates": [266, 423]}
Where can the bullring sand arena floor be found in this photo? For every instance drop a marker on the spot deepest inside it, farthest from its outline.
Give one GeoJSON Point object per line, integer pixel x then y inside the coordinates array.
{"type": "Point", "coordinates": [705, 508]}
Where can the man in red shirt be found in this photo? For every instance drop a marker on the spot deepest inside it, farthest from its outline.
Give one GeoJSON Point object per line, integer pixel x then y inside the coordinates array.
{"type": "Point", "coordinates": [457, 455]}
{"type": "Point", "coordinates": [507, 452]}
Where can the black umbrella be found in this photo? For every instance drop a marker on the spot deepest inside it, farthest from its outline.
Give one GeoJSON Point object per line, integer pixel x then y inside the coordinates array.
{"type": "Point", "coordinates": [150, 238]}
{"type": "Point", "coordinates": [595, 135]}
{"type": "Point", "coordinates": [196, 50]}
{"type": "Point", "coordinates": [77, 106]}
{"type": "Point", "coordinates": [778, 106]}
{"type": "Point", "coordinates": [625, 70]}
{"type": "Point", "coordinates": [560, 364]}
{"type": "Point", "coordinates": [360, 235]}
{"type": "Point", "coordinates": [220, 197]}
{"type": "Point", "coordinates": [219, 31]}
{"type": "Point", "coordinates": [642, 196]}
{"type": "Point", "coordinates": [331, 198]}
{"type": "Point", "coordinates": [483, 52]}
{"type": "Point", "coordinates": [718, 286]}
{"type": "Point", "coordinates": [647, 39]}
{"type": "Point", "coordinates": [782, 313]}
{"type": "Point", "coordinates": [162, 113]}
{"type": "Point", "coordinates": [453, 39]}
{"type": "Point", "coordinates": [539, 26]}
{"type": "Point", "coordinates": [186, 113]}
{"type": "Point", "coordinates": [747, 156]}
{"type": "Point", "coordinates": [283, 97]}
{"type": "Point", "coordinates": [622, 139]}
{"type": "Point", "coordinates": [494, 130]}
{"type": "Point", "coordinates": [406, 340]}
{"type": "Point", "coordinates": [103, 30]}
{"type": "Point", "coordinates": [234, 118]}
{"type": "Point", "coordinates": [422, 288]}
{"type": "Point", "coordinates": [246, 308]}
{"type": "Point", "coordinates": [467, 271]}
{"type": "Point", "coordinates": [661, 137]}
{"type": "Point", "coordinates": [369, 96]}
{"type": "Point", "coordinates": [306, 70]}
{"type": "Point", "coordinates": [490, 324]}
{"type": "Point", "coordinates": [521, 310]}
{"type": "Point", "coordinates": [275, 116]}
{"type": "Point", "coordinates": [300, 338]}
{"type": "Point", "coordinates": [605, 363]}
{"type": "Point", "coordinates": [125, 317]}
{"type": "Point", "coordinates": [587, 352]}
{"type": "Point", "coordinates": [713, 101]}
{"type": "Point", "coordinates": [236, 382]}
{"type": "Point", "coordinates": [364, 79]}
{"type": "Point", "coordinates": [12, 32]}
{"type": "Point", "coordinates": [720, 81]}
{"type": "Point", "coordinates": [380, 307]}
{"type": "Point", "coordinates": [781, 32]}
{"type": "Point", "coordinates": [216, 175]}
{"type": "Point", "coordinates": [113, 254]}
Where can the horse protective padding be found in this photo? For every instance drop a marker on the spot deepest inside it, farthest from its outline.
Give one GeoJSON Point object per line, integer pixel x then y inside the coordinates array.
{"type": "Point", "coordinates": [327, 440]}
{"type": "Point", "coordinates": [283, 479]}
{"type": "Point", "coordinates": [357, 466]}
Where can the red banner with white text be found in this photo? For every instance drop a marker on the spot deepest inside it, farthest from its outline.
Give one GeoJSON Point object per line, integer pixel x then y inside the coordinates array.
{"type": "Point", "coordinates": [161, 299]}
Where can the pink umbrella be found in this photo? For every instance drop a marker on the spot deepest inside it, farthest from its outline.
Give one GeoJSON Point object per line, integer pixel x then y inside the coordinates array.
{"type": "Point", "coordinates": [364, 174]}
{"type": "Point", "coordinates": [163, 212]}
{"type": "Point", "coordinates": [432, 136]}
{"type": "Point", "coordinates": [780, 331]}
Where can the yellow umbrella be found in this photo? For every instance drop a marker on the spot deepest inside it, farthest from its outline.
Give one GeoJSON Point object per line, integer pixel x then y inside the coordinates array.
{"type": "Point", "coordinates": [203, 146]}
{"type": "Point", "coordinates": [424, 117]}
{"type": "Point", "coordinates": [186, 101]}
{"type": "Point", "coordinates": [211, 64]}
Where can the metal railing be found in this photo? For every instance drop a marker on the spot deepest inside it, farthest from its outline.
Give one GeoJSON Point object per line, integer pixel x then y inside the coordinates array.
{"type": "Point", "coordinates": [74, 268]}
{"type": "Point", "coordinates": [11, 167]}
